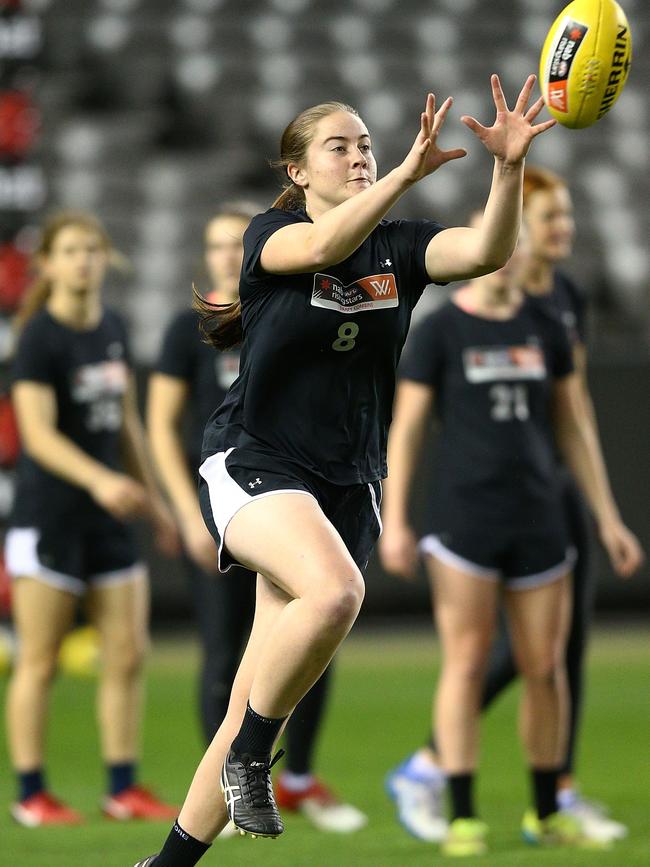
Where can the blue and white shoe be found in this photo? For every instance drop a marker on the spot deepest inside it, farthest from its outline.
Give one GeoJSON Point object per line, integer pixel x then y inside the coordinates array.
{"type": "Point", "coordinates": [419, 799]}
{"type": "Point", "coordinates": [593, 817]}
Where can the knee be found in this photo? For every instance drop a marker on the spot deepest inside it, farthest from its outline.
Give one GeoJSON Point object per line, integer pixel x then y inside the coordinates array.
{"type": "Point", "coordinates": [339, 605]}
{"type": "Point", "coordinates": [470, 670]}
{"type": "Point", "coordinates": [38, 668]}
{"type": "Point", "coordinates": [124, 658]}
{"type": "Point", "coordinates": [465, 658]}
{"type": "Point", "coordinates": [543, 671]}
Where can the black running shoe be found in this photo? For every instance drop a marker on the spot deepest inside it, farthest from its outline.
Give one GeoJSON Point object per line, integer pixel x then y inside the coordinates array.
{"type": "Point", "coordinates": [247, 789]}
{"type": "Point", "coordinates": [148, 862]}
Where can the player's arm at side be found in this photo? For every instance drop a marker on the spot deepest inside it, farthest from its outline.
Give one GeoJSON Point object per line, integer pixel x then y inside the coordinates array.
{"type": "Point", "coordinates": [580, 365]}
{"type": "Point", "coordinates": [36, 414]}
{"type": "Point", "coordinates": [397, 546]}
{"type": "Point", "coordinates": [138, 463]}
{"type": "Point", "coordinates": [166, 403]}
{"type": "Point", "coordinates": [577, 439]}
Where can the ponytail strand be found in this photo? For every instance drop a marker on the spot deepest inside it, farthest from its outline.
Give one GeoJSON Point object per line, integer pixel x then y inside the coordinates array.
{"type": "Point", "coordinates": [220, 324]}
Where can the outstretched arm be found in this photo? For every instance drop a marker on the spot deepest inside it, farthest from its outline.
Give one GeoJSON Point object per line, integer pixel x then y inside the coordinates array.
{"type": "Point", "coordinates": [336, 234]}
{"type": "Point", "coordinates": [462, 252]}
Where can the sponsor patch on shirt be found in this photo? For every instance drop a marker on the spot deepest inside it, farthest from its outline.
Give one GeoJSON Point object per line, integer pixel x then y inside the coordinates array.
{"type": "Point", "coordinates": [226, 368]}
{"type": "Point", "coordinates": [368, 293]}
{"type": "Point", "coordinates": [92, 381]}
{"type": "Point", "coordinates": [491, 363]}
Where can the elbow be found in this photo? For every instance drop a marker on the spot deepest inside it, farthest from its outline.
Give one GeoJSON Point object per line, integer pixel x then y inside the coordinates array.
{"type": "Point", "coordinates": [325, 250]}
{"type": "Point", "coordinates": [158, 446]}
{"type": "Point", "coordinates": [33, 446]}
{"type": "Point", "coordinates": [321, 256]}
{"type": "Point", "coordinates": [489, 263]}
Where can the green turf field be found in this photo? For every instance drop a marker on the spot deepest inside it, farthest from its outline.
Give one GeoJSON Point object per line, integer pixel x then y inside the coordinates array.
{"type": "Point", "coordinates": [379, 711]}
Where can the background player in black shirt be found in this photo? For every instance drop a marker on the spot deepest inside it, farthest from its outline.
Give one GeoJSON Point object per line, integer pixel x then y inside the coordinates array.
{"type": "Point", "coordinates": [326, 293]}
{"type": "Point", "coordinates": [192, 378]}
{"type": "Point", "coordinates": [548, 216]}
{"type": "Point", "coordinates": [501, 369]}
{"type": "Point", "coordinates": [76, 410]}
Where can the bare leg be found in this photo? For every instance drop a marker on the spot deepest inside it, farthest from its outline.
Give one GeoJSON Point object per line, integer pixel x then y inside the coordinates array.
{"type": "Point", "coordinates": [300, 552]}
{"type": "Point", "coordinates": [465, 608]}
{"type": "Point", "coordinates": [308, 595]}
{"type": "Point", "coordinates": [42, 615]}
{"type": "Point", "coordinates": [120, 612]}
{"type": "Point", "coordinates": [539, 620]}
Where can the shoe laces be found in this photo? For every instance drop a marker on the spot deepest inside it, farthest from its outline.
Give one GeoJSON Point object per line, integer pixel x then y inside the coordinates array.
{"type": "Point", "coordinates": [258, 780]}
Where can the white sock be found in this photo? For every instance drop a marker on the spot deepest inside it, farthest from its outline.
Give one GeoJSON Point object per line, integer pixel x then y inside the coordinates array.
{"type": "Point", "coordinates": [566, 798]}
{"type": "Point", "coordinates": [296, 782]}
{"type": "Point", "coordinates": [425, 768]}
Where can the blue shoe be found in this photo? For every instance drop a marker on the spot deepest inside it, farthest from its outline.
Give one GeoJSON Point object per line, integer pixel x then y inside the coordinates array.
{"type": "Point", "coordinates": [419, 802]}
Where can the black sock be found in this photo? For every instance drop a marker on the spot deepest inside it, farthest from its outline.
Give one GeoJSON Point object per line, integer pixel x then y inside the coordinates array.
{"type": "Point", "coordinates": [302, 729]}
{"type": "Point", "coordinates": [181, 849]}
{"type": "Point", "coordinates": [257, 734]}
{"type": "Point", "coordinates": [30, 783]}
{"type": "Point", "coordinates": [120, 777]}
{"type": "Point", "coordinates": [545, 792]}
{"type": "Point", "coordinates": [461, 796]}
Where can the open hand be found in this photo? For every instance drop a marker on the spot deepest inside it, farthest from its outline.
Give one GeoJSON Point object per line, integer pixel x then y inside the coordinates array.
{"type": "Point", "coordinates": [425, 156]}
{"type": "Point", "coordinates": [512, 132]}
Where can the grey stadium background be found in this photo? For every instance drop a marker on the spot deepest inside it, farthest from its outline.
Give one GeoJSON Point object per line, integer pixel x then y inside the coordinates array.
{"type": "Point", "coordinates": [149, 112]}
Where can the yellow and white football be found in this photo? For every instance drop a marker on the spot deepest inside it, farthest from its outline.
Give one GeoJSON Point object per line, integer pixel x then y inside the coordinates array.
{"type": "Point", "coordinates": [585, 61]}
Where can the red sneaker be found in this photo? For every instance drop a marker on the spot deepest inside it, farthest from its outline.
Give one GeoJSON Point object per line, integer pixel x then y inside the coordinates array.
{"type": "Point", "coordinates": [44, 809]}
{"type": "Point", "coordinates": [137, 802]}
{"type": "Point", "coordinates": [321, 806]}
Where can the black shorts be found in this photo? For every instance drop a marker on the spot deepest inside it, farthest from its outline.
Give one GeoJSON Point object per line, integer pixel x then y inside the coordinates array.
{"type": "Point", "coordinates": [71, 554]}
{"type": "Point", "coordinates": [522, 555]}
{"type": "Point", "coordinates": [231, 479]}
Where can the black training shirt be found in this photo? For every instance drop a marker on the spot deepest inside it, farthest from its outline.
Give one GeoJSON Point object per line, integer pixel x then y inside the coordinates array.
{"type": "Point", "coordinates": [492, 381]}
{"type": "Point", "coordinates": [89, 372]}
{"type": "Point", "coordinates": [319, 352]}
{"type": "Point", "coordinates": [568, 302]}
{"type": "Point", "coordinates": [208, 373]}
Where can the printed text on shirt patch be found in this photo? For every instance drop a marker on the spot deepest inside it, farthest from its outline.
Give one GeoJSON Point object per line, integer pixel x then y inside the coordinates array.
{"type": "Point", "coordinates": [368, 293]}
{"type": "Point", "coordinates": [490, 363]}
